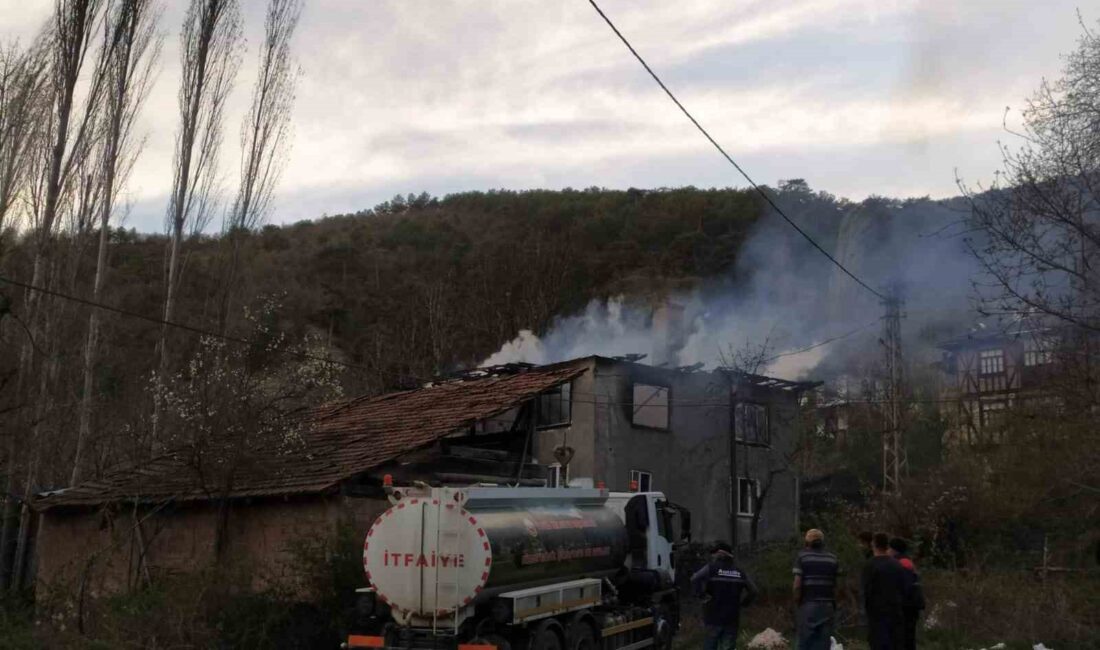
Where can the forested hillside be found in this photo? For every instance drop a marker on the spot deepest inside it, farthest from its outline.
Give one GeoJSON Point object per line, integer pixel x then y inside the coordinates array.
{"type": "Point", "coordinates": [403, 291]}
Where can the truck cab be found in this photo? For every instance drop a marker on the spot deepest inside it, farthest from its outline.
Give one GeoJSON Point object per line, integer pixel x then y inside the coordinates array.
{"type": "Point", "coordinates": [655, 527]}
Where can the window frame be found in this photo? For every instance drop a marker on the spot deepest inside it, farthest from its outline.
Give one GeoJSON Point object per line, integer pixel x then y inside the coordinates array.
{"type": "Point", "coordinates": [754, 497]}
{"type": "Point", "coordinates": [1038, 352]}
{"type": "Point", "coordinates": [637, 474]}
{"type": "Point", "coordinates": [634, 407]}
{"type": "Point", "coordinates": [739, 436]}
{"type": "Point", "coordinates": [992, 355]}
{"type": "Point", "coordinates": [564, 393]}
{"type": "Point", "coordinates": [998, 408]}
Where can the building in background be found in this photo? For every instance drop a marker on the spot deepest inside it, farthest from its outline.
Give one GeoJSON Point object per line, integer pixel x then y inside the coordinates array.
{"type": "Point", "coordinates": [992, 375]}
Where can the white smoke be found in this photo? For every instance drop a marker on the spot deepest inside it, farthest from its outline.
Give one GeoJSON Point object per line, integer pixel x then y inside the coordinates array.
{"type": "Point", "coordinates": [784, 297]}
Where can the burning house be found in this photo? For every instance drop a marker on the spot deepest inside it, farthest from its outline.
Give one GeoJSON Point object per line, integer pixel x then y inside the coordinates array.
{"type": "Point", "coordinates": [719, 443]}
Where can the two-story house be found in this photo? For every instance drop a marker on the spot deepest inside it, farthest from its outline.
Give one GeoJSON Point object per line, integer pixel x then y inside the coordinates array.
{"type": "Point", "coordinates": [990, 374]}
{"type": "Point", "coordinates": [721, 443]}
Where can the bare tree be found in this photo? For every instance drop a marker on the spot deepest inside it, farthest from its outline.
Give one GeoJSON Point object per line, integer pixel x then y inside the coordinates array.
{"type": "Point", "coordinates": [131, 29]}
{"type": "Point", "coordinates": [264, 135]}
{"type": "Point", "coordinates": [209, 49]}
{"type": "Point", "coordinates": [22, 74]}
{"type": "Point", "coordinates": [59, 147]}
{"type": "Point", "coordinates": [1040, 223]}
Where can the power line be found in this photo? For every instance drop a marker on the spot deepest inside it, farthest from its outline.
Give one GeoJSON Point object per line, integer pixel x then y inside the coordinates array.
{"type": "Point", "coordinates": [181, 326]}
{"type": "Point", "coordinates": [731, 161]}
{"type": "Point", "coordinates": [817, 345]}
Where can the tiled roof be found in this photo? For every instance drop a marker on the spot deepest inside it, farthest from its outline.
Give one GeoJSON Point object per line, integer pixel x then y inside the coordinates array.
{"type": "Point", "coordinates": [344, 439]}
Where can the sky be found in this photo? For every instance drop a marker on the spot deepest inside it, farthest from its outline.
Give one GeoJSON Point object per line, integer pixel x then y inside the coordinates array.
{"type": "Point", "coordinates": [858, 97]}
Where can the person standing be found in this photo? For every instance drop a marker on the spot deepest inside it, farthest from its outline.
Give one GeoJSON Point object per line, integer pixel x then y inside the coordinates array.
{"type": "Point", "coordinates": [883, 582]}
{"type": "Point", "coordinates": [726, 589]}
{"type": "Point", "coordinates": [913, 599]}
{"type": "Point", "coordinates": [815, 577]}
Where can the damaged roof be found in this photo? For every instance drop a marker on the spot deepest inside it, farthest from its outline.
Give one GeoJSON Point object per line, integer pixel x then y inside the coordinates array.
{"type": "Point", "coordinates": [342, 440]}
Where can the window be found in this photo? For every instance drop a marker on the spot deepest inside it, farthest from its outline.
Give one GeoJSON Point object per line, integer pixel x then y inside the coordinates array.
{"type": "Point", "coordinates": [650, 406]}
{"type": "Point", "coordinates": [555, 477]}
{"type": "Point", "coordinates": [993, 414]}
{"type": "Point", "coordinates": [644, 480]}
{"type": "Point", "coordinates": [747, 493]}
{"type": "Point", "coordinates": [750, 423]}
{"type": "Point", "coordinates": [992, 362]}
{"type": "Point", "coordinates": [555, 407]}
{"type": "Point", "coordinates": [1037, 352]}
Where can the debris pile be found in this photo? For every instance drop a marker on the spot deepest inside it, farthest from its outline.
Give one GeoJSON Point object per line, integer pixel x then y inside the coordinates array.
{"type": "Point", "coordinates": [769, 639]}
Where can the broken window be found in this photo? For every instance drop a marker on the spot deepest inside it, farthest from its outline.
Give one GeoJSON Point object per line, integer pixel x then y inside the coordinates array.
{"type": "Point", "coordinates": [555, 406]}
{"type": "Point", "coordinates": [992, 362]}
{"type": "Point", "coordinates": [650, 406]}
{"type": "Point", "coordinates": [1038, 351]}
{"type": "Point", "coordinates": [747, 494]}
{"type": "Point", "coordinates": [641, 481]}
{"type": "Point", "coordinates": [750, 423]}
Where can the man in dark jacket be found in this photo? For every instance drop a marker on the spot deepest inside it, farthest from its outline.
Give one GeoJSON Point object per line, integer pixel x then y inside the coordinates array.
{"type": "Point", "coordinates": [883, 583]}
{"type": "Point", "coordinates": [815, 577]}
{"type": "Point", "coordinates": [726, 589]}
{"type": "Point", "coordinates": [913, 599]}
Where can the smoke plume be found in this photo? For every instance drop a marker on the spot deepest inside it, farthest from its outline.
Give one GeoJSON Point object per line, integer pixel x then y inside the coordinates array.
{"type": "Point", "coordinates": [783, 296]}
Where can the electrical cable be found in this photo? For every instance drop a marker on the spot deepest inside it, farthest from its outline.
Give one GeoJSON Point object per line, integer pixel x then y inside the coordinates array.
{"type": "Point", "coordinates": [817, 345]}
{"type": "Point", "coordinates": [731, 161]}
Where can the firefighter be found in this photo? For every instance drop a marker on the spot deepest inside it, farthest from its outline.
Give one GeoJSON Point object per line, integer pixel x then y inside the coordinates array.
{"type": "Point", "coordinates": [815, 578]}
{"type": "Point", "coordinates": [725, 590]}
{"type": "Point", "coordinates": [913, 599]}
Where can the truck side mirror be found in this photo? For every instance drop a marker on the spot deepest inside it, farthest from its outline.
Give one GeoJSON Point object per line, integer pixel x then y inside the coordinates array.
{"type": "Point", "coordinates": [685, 525]}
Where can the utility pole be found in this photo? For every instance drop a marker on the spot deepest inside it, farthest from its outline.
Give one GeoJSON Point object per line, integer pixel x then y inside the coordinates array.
{"type": "Point", "coordinates": [894, 460]}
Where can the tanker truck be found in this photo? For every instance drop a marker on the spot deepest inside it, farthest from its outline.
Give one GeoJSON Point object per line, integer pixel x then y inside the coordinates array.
{"type": "Point", "coordinates": [504, 568]}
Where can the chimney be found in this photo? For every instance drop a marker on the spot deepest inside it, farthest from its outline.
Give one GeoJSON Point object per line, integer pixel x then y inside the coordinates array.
{"type": "Point", "coordinates": [668, 333]}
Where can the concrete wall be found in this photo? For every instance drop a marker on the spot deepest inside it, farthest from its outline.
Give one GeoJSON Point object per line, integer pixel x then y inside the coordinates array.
{"type": "Point", "coordinates": [689, 462]}
{"type": "Point", "coordinates": [101, 546]}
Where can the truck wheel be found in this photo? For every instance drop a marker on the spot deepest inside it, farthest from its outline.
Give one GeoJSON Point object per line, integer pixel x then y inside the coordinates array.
{"type": "Point", "coordinates": [581, 636]}
{"type": "Point", "coordinates": [545, 637]}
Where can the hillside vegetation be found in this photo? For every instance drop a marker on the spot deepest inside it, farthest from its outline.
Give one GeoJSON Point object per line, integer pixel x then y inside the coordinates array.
{"type": "Point", "coordinates": [408, 289]}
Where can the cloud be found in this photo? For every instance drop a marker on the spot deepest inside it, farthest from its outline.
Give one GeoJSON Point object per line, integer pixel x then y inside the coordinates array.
{"type": "Point", "coordinates": [412, 95]}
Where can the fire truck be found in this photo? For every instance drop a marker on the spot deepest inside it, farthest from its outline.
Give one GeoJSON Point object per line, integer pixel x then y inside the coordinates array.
{"type": "Point", "coordinates": [504, 568]}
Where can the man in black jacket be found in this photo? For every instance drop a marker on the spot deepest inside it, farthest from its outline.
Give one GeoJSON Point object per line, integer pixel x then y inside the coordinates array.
{"type": "Point", "coordinates": [726, 589]}
{"type": "Point", "coordinates": [883, 593]}
{"type": "Point", "coordinates": [913, 599]}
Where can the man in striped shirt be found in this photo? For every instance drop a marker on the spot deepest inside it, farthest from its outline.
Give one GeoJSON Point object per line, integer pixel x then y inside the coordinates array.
{"type": "Point", "coordinates": [815, 578]}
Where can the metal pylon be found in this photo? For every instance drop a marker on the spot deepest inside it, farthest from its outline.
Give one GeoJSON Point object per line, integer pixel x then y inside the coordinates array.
{"type": "Point", "coordinates": [894, 461]}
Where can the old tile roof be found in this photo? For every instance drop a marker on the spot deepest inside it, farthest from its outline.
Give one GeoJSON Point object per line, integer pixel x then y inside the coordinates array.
{"type": "Point", "coordinates": [344, 439]}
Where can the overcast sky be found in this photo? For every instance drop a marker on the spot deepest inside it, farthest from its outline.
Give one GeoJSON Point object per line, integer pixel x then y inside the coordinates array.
{"type": "Point", "coordinates": [858, 97]}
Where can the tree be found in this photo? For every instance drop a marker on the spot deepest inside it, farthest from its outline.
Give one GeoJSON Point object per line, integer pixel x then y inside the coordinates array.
{"type": "Point", "coordinates": [209, 47]}
{"type": "Point", "coordinates": [235, 407]}
{"type": "Point", "coordinates": [22, 75]}
{"type": "Point", "coordinates": [134, 45]}
{"type": "Point", "coordinates": [60, 147]}
{"type": "Point", "coordinates": [1040, 223]}
{"type": "Point", "coordinates": [264, 135]}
